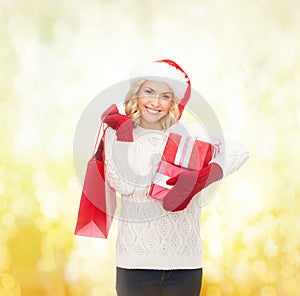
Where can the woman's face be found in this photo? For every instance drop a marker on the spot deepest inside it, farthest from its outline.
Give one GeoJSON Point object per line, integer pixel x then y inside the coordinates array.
{"type": "Point", "coordinates": [154, 100]}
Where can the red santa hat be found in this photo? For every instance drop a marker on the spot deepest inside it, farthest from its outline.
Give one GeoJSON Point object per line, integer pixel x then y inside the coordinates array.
{"type": "Point", "coordinates": [167, 71]}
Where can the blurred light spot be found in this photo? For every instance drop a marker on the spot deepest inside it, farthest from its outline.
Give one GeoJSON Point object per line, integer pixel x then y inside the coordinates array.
{"type": "Point", "coordinates": [288, 60]}
{"type": "Point", "coordinates": [214, 291]}
{"type": "Point", "coordinates": [215, 248]}
{"type": "Point", "coordinates": [75, 290]}
{"type": "Point", "coordinates": [40, 177]}
{"type": "Point", "coordinates": [8, 285]}
{"type": "Point", "coordinates": [252, 251]}
{"type": "Point", "coordinates": [90, 267]}
{"type": "Point", "coordinates": [287, 260]}
{"type": "Point", "coordinates": [7, 282]}
{"type": "Point", "coordinates": [15, 177]}
{"type": "Point", "coordinates": [96, 291]}
{"type": "Point", "coordinates": [287, 271]}
{"type": "Point", "coordinates": [251, 200]}
{"type": "Point", "coordinates": [42, 224]}
{"type": "Point", "coordinates": [47, 247]}
{"type": "Point", "coordinates": [268, 277]}
{"type": "Point", "coordinates": [6, 292]}
{"type": "Point", "coordinates": [14, 180]}
{"type": "Point", "coordinates": [259, 267]}
{"type": "Point", "coordinates": [268, 291]}
{"type": "Point", "coordinates": [237, 113]}
{"type": "Point", "coordinates": [213, 273]}
{"type": "Point", "coordinates": [17, 207]}
{"type": "Point", "coordinates": [58, 152]}
{"type": "Point", "coordinates": [4, 260]}
{"type": "Point", "coordinates": [48, 203]}
{"type": "Point", "coordinates": [25, 138]}
{"type": "Point", "coordinates": [291, 285]}
{"type": "Point", "coordinates": [2, 187]}
{"type": "Point", "coordinates": [8, 220]}
{"type": "Point", "coordinates": [270, 249]}
{"type": "Point", "coordinates": [270, 222]}
{"type": "Point", "coordinates": [73, 184]}
{"type": "Point", "coordinates": [46, 264]}
{"type": "Point", "coordinates": [249, 236]}
{"type": "Point", "coordinates": [240, 270]}
{"type": "Point", "coordinates": [3, 204]}
{"type": "Point", "coordinates": [72, 272]}
{"type": "Point", "coordinates": [244, 290]}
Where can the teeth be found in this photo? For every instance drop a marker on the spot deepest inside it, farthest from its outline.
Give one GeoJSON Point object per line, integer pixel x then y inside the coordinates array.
{"type": "Point", "coordinates": [152, 111]}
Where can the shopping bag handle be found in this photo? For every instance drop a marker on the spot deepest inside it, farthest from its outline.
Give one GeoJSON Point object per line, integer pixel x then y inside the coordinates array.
{"type": "Point", "coordinates": [98, 138]}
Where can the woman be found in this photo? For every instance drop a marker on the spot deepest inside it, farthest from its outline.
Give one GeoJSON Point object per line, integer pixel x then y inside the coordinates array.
{"type": "Point", "coordinates": [159, 250]}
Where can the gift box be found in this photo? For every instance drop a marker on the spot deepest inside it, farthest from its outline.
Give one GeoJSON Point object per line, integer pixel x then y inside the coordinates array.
{"type": "Point", "coordinates": [181, 152]}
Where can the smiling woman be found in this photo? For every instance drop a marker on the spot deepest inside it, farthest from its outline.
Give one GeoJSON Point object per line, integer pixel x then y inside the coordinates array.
{"type": "Point", "coordinates": [154, 100]}
{"type": "Point", "coordinates": [158, 97]}
{"type": "Point", "coordinates": [158, 249]}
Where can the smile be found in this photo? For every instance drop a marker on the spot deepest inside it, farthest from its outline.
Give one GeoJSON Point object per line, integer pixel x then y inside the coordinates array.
{"type": "Point", "coordinates": [152, 111]}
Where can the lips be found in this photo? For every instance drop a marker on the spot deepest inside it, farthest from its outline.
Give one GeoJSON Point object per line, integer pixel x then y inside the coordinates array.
{"type": "Point", "coordinates": [152, 111]}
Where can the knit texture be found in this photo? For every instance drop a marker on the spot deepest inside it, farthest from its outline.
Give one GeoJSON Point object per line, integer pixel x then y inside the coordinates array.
{"type": "Point", "coordinates": [148, 236]}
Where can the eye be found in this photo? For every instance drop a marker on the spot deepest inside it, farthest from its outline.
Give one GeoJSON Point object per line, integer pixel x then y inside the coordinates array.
{"type": "Point", "coordinates": [148, 91]}
{"type": "Point", "coordinates": [166, 97]}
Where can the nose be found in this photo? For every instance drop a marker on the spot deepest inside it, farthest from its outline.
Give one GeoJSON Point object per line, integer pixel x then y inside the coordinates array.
{"type": "Point", "coordinates": [155, 101]}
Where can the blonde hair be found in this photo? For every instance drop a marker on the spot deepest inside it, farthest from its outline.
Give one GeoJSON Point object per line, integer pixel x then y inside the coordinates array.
{"type": "Point", "coordinates": [133, 111]}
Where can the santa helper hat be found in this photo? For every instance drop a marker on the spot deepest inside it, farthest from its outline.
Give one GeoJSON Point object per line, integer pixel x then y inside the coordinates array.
{"type": "Point", "coordinates": [166, 71]}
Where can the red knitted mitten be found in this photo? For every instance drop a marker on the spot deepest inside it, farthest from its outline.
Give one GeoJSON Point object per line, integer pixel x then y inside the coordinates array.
{"type": "Point", "coordinates": [187, 184]}
{"type": "Point", "coordinates": [121, 123]}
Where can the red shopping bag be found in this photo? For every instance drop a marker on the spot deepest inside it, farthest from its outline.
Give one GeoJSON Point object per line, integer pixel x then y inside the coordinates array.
{"type": "Point", "coordinates": [180, 152]}
{"type": "Point", "coordinates": [98, 199]}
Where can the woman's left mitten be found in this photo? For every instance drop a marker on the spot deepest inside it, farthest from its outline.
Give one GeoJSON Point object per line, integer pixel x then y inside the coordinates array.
{"type": "Point", "coordinates": [187, 184]}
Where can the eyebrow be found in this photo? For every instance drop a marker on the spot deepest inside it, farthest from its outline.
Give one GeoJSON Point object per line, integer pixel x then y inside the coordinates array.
{"type": "Point", "coordinates": [167, 92]}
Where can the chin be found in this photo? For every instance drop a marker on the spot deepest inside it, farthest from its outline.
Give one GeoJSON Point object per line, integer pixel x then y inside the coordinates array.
{"type": "Point", "coordinates": [152, 118]}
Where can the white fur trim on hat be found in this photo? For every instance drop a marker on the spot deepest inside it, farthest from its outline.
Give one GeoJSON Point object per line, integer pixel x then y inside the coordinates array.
{"type": "Point", "coordinates": [162, 71]}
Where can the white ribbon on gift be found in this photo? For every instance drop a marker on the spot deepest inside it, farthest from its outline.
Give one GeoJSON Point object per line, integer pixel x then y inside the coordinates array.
{"type": "Point", "coordinates": [184, 151]}
{"type": "Point", "coordinates": [182, 158]}
{"type": "Point", "coordinates": [161, 180]}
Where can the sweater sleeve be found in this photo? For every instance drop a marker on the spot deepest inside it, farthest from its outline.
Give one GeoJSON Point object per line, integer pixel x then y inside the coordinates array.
{"type": "Point", "coordinates": [229, 154]}
{"type": "Point", "coordinates": [112, 174]}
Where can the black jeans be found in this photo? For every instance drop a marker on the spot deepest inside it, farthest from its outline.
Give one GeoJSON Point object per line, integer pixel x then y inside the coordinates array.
{"type": "Point", "coordinates": [144, 282]}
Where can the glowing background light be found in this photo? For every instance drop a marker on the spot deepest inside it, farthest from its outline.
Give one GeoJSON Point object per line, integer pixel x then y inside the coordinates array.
{"type": "Point", "coordinates": [242, 56]}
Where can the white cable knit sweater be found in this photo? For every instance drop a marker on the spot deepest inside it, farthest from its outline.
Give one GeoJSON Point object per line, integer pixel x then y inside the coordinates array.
{"type": "Point", "coordinates": [148, 236]}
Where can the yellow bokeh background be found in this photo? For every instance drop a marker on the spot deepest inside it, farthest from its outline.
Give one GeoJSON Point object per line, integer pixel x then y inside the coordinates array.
{"type": "Point", "coordinates": [243, 56]}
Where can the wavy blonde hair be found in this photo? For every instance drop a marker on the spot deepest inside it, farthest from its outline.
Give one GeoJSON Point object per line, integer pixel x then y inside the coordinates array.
{"type": "Point", "coordinates": [132, 109]}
